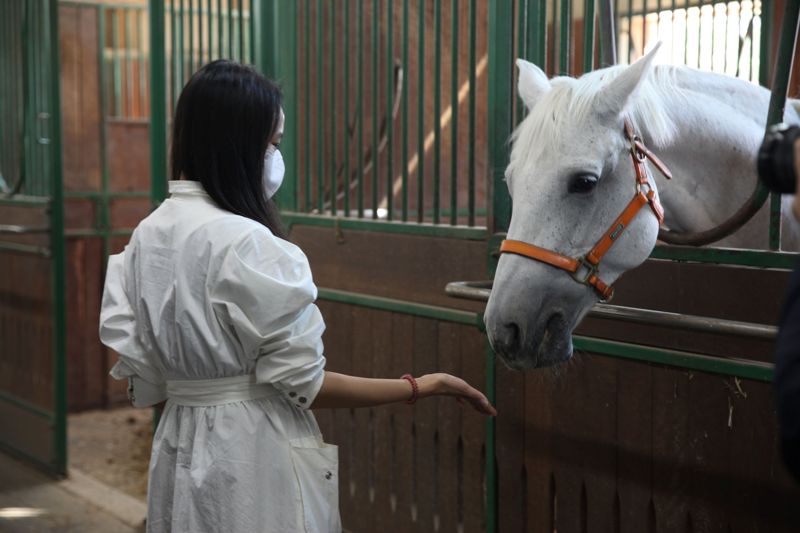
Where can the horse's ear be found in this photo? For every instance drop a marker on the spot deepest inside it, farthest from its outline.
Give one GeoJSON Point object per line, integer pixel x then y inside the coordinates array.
{"type": "Point", "coordinates": [532, 84]}
{"type": "Point", "coordinates": [617, 94]}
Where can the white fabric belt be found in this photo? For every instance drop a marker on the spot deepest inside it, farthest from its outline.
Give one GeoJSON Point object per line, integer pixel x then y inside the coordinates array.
{"type": "Point", "coordinates": [219, 391]}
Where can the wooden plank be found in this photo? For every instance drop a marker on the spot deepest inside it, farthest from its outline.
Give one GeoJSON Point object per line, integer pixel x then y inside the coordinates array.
{"type": "Point", "coordinates": [362, 442]}
{"type": "Point", "coordinates": [598, 422]}
{"type": "Point", "coordinates": [380, 428]}
{"type": "Point", "coordinates": [539, 488]}
{"type": "Point", "coordinates": [405, 267]}
{"type": "Point", "coordinates": [403, 498]}
{"type": "Point", "coordinates": [671, 456]}
{"type": "Point", "coordinates": [510, 446]}
{"type": "Point", "coordinates": [85, 355]}
{"type": "Point", "coordinates": [708, 451]}
{"type": "Point", "coordinates": [128, 153]}
{"type": "Point", "coordinates": [635, 404]}
{"type": "Point", "coordinates": [449, 413]}
{"type": "Point", "coordinates": [571, 453]}
{"type": "Point", "coordinates": [426, 425]}
{"type": "Point", "coordinates": [473, 502]}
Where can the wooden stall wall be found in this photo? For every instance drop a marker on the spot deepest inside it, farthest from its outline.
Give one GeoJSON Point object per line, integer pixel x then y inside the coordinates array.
{"type": "Point", "coordinates": [603, 444]}
{"type": "Point", "coordinates": [103, 158]}
{"type": "Point", "coordinates": [402, 468]}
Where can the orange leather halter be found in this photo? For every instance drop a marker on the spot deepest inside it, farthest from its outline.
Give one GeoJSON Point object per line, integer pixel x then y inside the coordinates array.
{"type": "Point", "coordinates": [585, 269]}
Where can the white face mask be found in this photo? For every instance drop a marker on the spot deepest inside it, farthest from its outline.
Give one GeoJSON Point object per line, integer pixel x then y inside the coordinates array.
{"type": "Point", "coordinates": [274, 170]}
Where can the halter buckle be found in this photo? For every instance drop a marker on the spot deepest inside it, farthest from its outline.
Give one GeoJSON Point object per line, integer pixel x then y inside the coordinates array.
{"type": "Point", "coordinates": [587, 266]}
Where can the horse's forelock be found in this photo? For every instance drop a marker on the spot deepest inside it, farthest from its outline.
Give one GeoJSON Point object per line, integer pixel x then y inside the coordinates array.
{"type": "Point", "coordinates": [571, 101]}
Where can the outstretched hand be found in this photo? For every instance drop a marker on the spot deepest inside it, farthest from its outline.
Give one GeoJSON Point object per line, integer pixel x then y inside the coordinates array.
{"type": "Point", "coordinates": [448, 385]}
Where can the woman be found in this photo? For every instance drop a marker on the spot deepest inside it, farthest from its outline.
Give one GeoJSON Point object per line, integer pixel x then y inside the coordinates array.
{"type": "Point", "coordinates": [212, 309]}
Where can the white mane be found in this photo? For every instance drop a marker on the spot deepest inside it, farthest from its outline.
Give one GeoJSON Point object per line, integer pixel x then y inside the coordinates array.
{"type": "Point", "coordinates": [572, 100]}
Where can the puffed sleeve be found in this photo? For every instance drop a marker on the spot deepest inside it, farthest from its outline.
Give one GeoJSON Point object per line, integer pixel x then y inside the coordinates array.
{"type": "Point", "coordinates": [146, 384]}
{"type": "Point", "coordinates": [265, 293]}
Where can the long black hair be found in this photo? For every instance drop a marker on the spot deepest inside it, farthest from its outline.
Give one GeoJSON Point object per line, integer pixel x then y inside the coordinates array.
{"type": "Point", "coordinates": [226, 116]}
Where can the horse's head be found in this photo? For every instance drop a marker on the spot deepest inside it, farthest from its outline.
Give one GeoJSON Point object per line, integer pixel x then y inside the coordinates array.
{"type": "Point", "coordinates": [570, 176]}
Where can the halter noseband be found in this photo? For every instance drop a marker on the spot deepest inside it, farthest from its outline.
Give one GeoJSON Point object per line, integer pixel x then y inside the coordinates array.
{"type": "Point", "coordinates": [584, 269]}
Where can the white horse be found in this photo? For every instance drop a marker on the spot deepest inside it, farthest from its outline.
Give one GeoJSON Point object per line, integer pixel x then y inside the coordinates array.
{"type": "Point", "coordinates": [571, 174]}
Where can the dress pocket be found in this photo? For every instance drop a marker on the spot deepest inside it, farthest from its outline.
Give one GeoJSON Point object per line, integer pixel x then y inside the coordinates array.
{"type": "Point", "coordinates": [316, 467]}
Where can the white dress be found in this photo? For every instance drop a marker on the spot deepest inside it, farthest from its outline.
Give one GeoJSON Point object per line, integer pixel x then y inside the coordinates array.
{"type": "Point", "coordinates": [212, 311]}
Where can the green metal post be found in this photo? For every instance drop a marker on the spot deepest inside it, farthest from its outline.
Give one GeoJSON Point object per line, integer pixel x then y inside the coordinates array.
{"type": "Point", "coordinates": [454, 114]}
{"type": "Point", "coordinates": [286, 20]}
{"type": "Point", "coordinates": [777, 103]}
{"type": "Point", "coordinates": [437, 107]}
{"type": "Point", "coordinates": [404, 117]}
{"type": "Point", "coordinates": [346, 121]}
{"type": "Point", "coordinates": [57, 246]}
{"type": "Point", "coordinates": [389, 107]}
{"type": "Point", "coordinates": [421, 115]}
{"type": "Point", "coordinates": [588, 35]}
{"type": "Point", "coordinates": [332, 109]}
{"type": "Point", "coordinates": [500, 122]}
{"type": "Point", "coordinates": [158, 100]}
{"type": "Point", "coordinates": [376, 25]}
{"type": "Point", "coordinates": [472, 81]}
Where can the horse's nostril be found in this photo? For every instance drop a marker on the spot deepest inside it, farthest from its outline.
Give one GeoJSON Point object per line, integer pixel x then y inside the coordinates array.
{"type": "Point", "coordinates": [508, 339]}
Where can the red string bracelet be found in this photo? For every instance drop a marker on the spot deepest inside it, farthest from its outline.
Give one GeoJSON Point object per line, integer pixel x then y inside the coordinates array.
{"type": "Point", "coordinates": [414, 388]}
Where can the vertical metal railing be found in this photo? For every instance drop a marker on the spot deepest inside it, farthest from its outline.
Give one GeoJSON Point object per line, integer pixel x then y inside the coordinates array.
{"type": "Point", "coordinates": [397, 117]}
{"type": "Point", "coordinates": [31, 172]}
{"type": "Point", "coordinates": [185, 35]}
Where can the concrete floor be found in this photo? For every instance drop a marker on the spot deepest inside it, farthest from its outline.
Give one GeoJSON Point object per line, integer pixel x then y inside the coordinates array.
{"type": "Point", "coordinates": [33, 502]}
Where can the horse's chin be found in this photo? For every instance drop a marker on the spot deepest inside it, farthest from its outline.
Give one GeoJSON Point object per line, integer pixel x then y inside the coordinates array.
{"type": "Point", "coordinates": [553, 345]}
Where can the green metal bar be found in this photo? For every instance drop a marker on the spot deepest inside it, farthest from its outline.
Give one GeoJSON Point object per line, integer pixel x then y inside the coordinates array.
{"type": "Point", "coordinates": [140, 14]}
{"type": "Point", "coordinates": [588, 35]}
{"type": "Point", "coordinates": [376, 25]}
{"type": "Point", "coordinates": [82, 233]}
{"type": "Point", "coordinates": [777, 103]}
{"type": "Point", "coordinates": [742, 368]}
{"type": "Point", "coordinates": [174, 55]}
{"type": "Point", "coordinates": [332, 108]}
{"type": "Point", "coordinates": [307, 206]}
{"type": "Point", "coordinates": [103, 197]}
{"type": "Point", "coordinates": [437, 108]}
{"type": "Point", "coordinates": [421, 113]}
{"type": "Point", "coordinates": [57, 246]}
{"type": "Point", "coordinates": [564, 34]}
{"type": "Point", "coordinates": [404, 115]}
{"type": "Point", "coordinates": [320, 115]}
{"type": "Point", "coordinates": [128, 64]}
{"type": "Point", "coordinates": [118, 112]}
{"type": "Point", "coordinates": [182, 40]}
{"type": "Point", "coordinates": [291, 84]}
{"type": "Point", "coordinates": [210, 34]}
{"type": "Point", "coordinates": [406, 307]}
{"type": "Point", "coordinates": [454, 115]}
{"type": "Point", "coordinates": [198, 52]}
{"type": "Point", "coordinates": [230, 31]}
{"type": "Point", "coordinates": [382, 226]}
{"type": "Point", "coordinates": [472, 83]}
{"type": "Point", "coordinates": [220, 30]}
{"type": "Point", "coordinates": [346, 121]}
{"type": "Point", "coordinates": [360, 105]}
{"type": "Point", "coordinates": [724, 256]}
{"type": "Point", "coordinates": [192, 49]}
{"type": "Point", "coordinates": [500, 76]}
{"type": "Point", "coordinates": [389, 108]}
{"type": "Point", "coordinates": [25, 405]}
{"type": "Point", "coordinates": [251, 14]}
{"type": "Point", "coordinates": [240, 14]}
{"type": "Point", "coordinates": [158, 112]}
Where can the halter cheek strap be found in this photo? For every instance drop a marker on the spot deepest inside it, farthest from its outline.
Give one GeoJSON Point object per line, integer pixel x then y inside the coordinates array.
{"type": "Point", "coordinates": [585, 269]}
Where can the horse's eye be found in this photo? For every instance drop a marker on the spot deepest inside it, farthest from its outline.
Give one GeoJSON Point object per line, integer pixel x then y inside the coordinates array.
{"type": "Point", "coordinates": [582, 183]}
